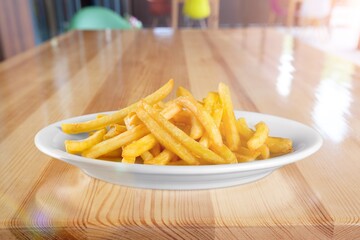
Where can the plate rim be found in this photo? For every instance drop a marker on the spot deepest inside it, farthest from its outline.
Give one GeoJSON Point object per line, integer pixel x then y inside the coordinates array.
{"type": "Point", "coordinates": [274, 162]}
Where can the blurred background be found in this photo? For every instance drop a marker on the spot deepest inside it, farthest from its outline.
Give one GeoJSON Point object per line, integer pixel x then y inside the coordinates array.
{"type": "Point", "coordinates": [330, 24]}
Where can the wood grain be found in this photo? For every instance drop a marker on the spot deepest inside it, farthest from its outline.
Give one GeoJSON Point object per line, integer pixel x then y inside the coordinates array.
{"type": "Point", "coordinates": [268, 72]}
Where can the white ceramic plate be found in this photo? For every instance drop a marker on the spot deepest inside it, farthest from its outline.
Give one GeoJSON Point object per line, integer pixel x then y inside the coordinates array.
{"type": "Point", "coordinates": [306, 141]}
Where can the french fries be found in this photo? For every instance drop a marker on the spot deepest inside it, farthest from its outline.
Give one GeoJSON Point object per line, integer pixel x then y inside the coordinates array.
{"type": "Point", "coordinates": [211, 99]}
{"type": "Point", "coordinates": [264, 151]}
{"type": "Point", "coordinates": [140, 146]}
{"type": "Point", "coordinates": [114, 143]}
{"type": "Point", "coordinates": [162, 159]}
{"type": "Point", "coordinates": [207, 121]}
{"type": "Point", "coordinates": [73, 128]}
{"type": "Point", "coordinates": [156, 149]}
{"type": "Point", "coordinates": [185, 140]}
{"type": "Point", "coordinates": [146, 156]}
{"type": "Point", "coordinates": [231, 135]}
{"type": "Point", "coordinates": [115, 129]}
{"type": "Point", "coordinates": [196, 130]}
{"type": "Point", "coordinates": [243, 129]}
{"type": "Point", "coordinates": [179, 132]}
{"type": "Point", "coordinates": [165, 138]}
{"type": "Point", "coordinates": [259, 137]}
{"type": "Point", "coordinates": [279, 145]}
{"type": "Point", "coordinates": [183, 92]}
{"type": "Point", "coordinates": [78, 146]}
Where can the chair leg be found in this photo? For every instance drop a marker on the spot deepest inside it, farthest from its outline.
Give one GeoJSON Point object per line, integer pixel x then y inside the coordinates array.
{"type": "Point", "coordinates": [203, 23]}
{"type": "Point", "coordinates": [155, 22]}
{"type": "Point", "coordinates": [168, 21]}
{"type": "Point", "coordinates": [271, 19]}
{"type": "Point", "coordinates": [190, 23]}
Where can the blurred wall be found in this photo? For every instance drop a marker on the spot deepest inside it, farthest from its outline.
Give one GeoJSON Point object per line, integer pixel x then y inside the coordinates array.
{"type": "Point", "coordinates": [243, 12]}
{"type": "Point", "coordinates": [16, 28]}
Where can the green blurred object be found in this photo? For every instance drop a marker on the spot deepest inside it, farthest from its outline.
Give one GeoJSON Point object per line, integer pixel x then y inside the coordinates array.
{"type": "Point", "coordinates": [196, 9]}
{"type": "Point", "coordinates": [97, 18]}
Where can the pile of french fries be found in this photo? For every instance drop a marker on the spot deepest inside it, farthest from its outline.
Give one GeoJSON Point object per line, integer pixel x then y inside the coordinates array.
{"type": "Point", "coordinates": [182, 131]}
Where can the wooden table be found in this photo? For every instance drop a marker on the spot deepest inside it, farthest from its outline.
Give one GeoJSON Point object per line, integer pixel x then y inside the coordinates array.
{"type": "Point", "coordinates": [268, 72]}
{"type": "Point", "coordinates": [213, 21]}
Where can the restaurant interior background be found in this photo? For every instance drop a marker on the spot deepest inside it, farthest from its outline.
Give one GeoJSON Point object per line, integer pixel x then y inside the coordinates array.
{"type": "Point", "coordinates": [334, 25]}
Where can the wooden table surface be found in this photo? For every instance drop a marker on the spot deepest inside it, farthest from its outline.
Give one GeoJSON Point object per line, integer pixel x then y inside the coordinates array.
{"type": "Point", "coordinates": [268, 72]}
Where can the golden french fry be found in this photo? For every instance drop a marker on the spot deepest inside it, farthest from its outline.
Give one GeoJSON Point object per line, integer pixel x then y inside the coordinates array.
{"type": "Point", "coordinates": [165, 138]}
{"type": "Point", "coordinates": [170, 110]}
{"type": "Point", "coordinates": [204, 117]}
{"type": "Point", "coordinates": [175, 158]}
{"type": "Point", "coordinates": [148, 142]}
{"type": "Point", "coordinates": [130, 160]}
{"type": "Point", "coordinates": [192, 145]}
{"type": "Point", "coordinates": [178, 163]}
{"type": "Point", "coordinates": [259, 137]}
{"type": "Point", "coordinates": [264, 151]}
{"type": "Point", "coordinates": [73, 128]}
{"type": "Point", "coordinates": [243, 129]}
{"type": "Point", "coordinates": [131, 120]}
{"type": "Point", "coordinates": [217, 113]}
{"type": "Point", "coordinates": [115, 129]}
{"type": "Point", "coordinates": [162, 159]}
{"type": "Point", "coordinates": [231, 135]}
{"type": "Point", "coordinates": [222, 130]}
{"type": "Point", "coordinates": [183, 117]}
{"type": "Point", "coordinates": [78, 146]}
{"type": "Point", "coordinates": [248, 152]}
{"type": "Point", "coordinates": [224, 152]}
{"type": "Point", "coordinates": [116, 142]}
{"type": "Point", "coordinates": [137, 147]}
{"type": "Point", "coordinates": [204, 141]}
{"type": "Point", "coordinates": [114, 154]}
{"type": "Point", "coordinates": [182, 92]}
{"type": "Point", "coordinates": [156, 149]}
{"type": "Point", "coordinates": [160, 105]}
{"type": "Point", "coordinates": [244, 158]}
{"type": "Point", "coordinates": [210, 101]}
{"type": "Point", "coordinates": [279, 145]}
{"type": "Point", "coordinates": [146, 156]}
{"type": "Point", "coordinates": [214, 107]}
{"type": "Point", "coordinates": [186, 128]}
{"type": "Point", "coordinates": [196, 130]}
{"type": "Point", "coordinates": [246, 155]}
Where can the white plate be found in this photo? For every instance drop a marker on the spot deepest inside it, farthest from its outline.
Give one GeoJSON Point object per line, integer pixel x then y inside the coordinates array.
{"type": "Point", "coordinates": [306, 141]}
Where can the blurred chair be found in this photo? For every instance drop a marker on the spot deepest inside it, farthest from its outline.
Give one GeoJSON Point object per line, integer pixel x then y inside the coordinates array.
{"type": "Point", "coordinates": [159, 9]}
{"type": "Point", "coordinates": [315, 13]}
{"type": "Point", "coordinates": [197, 10]}
{"type": "Point", "coordinates": [97, 18]}
{"type": "Point", "coordinates": [277, 12]}
{"type": "Point", "coordinates": [307, 12]}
